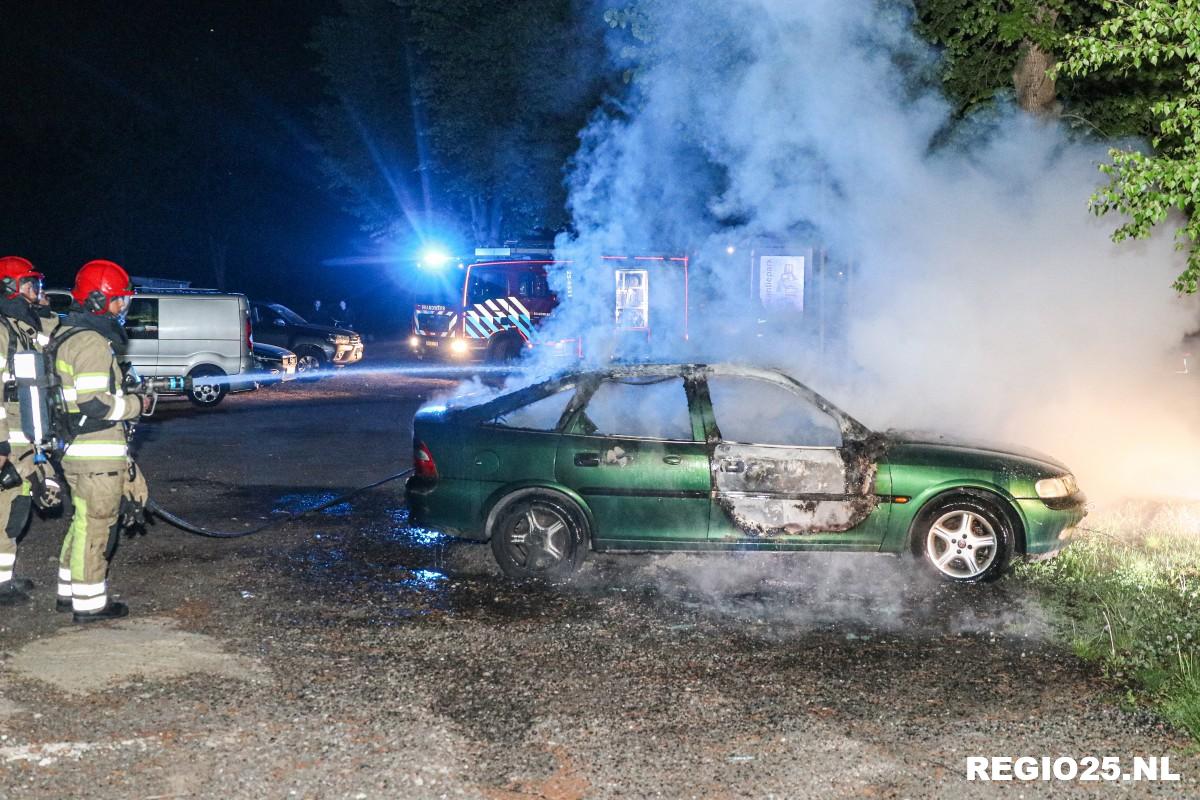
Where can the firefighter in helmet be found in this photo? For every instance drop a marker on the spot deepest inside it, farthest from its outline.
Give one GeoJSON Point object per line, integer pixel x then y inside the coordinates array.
{"type": "Point", "coordinates": [25, 325]}
{"type": "Point", "coordinates": [103, 478]}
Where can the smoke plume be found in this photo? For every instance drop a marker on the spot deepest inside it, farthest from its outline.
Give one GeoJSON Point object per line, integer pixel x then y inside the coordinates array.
{"type": "Point", "coordinates": [975, 292]}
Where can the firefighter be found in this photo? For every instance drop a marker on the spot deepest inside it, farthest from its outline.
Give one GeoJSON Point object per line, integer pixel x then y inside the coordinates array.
{"type": "Point", "coordinates": [96, 462]}
{"type": "Point", "coordinates": [25, 324]}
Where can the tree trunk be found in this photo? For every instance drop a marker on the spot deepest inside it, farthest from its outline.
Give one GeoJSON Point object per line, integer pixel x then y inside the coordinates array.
{"type": "Point", "coordinates": [496, 220]}
{"type": "Point", "coordinates": [1036, 92]}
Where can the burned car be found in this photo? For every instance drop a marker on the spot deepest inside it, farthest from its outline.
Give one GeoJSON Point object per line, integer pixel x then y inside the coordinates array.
{"type": "Point", "coordinates": [721, 457]}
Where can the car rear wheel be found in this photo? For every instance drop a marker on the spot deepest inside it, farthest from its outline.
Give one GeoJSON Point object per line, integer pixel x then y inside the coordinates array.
{"type": "Point", "coordinates": [309, 363]}
{"type": "Point", "coordinates": [207, 393]}
{"type": "Point", "coordinates": [964, 540]}
{"type": "Point", "coordinates": [539, 534]}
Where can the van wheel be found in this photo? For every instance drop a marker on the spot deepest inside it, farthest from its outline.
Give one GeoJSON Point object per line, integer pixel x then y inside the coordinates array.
{"type": "Point", "coordinates": [207, 394]}
{"type": "Point", "coordinates": [309, 363]}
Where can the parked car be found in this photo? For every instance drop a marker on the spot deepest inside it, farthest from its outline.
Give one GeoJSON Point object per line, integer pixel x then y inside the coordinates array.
{"type": "Point", "coordinates": [275, 364]}
{"type": "Point", "coordinates": [721, 457]}
{"type": "Point", "coordinates": [199, 333]}
{"type": "Point", "coordinates": [316, 346]}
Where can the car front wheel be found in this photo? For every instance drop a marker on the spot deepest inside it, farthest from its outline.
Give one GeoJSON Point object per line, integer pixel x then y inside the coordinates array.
{"type": "Point", "coordinates": [964, 540]}
{"type": "Point", "coordinates": [539, 535]}
{"type": "Point", "coordinates": [309, 363]}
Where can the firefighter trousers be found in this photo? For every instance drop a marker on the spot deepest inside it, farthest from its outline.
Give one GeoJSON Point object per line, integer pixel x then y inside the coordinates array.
{"type": "Point", "coordinates": [16, 504]}
{"type": "Point", "coordinates": [91, 537]}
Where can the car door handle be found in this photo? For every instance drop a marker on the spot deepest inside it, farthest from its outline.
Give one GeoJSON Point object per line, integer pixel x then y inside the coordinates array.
{"type": "Point", "coordinates": [733, 465]}
{"type": "Point", "coordinates": [671, 459]}
{"type": "Point", "coordinates": [587, 459]}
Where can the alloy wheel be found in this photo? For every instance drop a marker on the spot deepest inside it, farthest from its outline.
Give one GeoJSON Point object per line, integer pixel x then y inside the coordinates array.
{"type": "Point", "coordinates": [961, 544]}
{"type": "Point", "coordinates": [540, 539]}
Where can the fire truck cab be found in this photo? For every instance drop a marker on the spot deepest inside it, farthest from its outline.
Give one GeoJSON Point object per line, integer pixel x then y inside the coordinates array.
{"type": "Point", "coordinates": [503, 296]}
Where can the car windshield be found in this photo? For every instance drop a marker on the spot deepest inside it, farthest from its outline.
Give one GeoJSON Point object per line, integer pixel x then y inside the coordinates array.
{"type": "Point", "coordinates": [287, 314]}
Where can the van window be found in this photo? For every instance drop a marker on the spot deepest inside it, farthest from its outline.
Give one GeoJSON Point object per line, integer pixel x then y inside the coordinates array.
{"type": "Point", "coordinates": [141, 321]}
{"type": "Point", "coordinates": [487, 284]}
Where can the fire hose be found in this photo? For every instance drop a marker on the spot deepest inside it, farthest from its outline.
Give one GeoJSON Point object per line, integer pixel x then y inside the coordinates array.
{"type": "Point", "coordinates": [199, 530]}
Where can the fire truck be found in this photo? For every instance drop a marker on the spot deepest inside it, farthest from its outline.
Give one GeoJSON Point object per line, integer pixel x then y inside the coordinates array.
{"type": "Point", "coordinates": [499, 301]}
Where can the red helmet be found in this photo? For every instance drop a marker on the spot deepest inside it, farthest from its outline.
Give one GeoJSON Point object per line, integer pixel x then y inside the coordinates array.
{"type": "Point", "coordinates": [13, 270]}
{"type": "Point", "coordinates": [99, 283]}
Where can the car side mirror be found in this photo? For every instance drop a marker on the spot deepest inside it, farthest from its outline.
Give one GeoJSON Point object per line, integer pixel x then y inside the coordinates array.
{"type": "Point", "coordinates": [279, 323]}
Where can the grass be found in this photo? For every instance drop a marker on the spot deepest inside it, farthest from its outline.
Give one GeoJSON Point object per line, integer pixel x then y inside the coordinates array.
{"type": "Point", "coordinates": [1127, 593]}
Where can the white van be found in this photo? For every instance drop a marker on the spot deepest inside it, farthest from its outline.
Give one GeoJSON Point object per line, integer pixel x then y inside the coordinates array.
{"type": "Point", "coordinates": [188, 332]}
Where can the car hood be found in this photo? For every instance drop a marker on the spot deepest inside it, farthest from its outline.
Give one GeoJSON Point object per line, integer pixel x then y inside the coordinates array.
{"type": "Point", "coordinates": [263, 350]}
{"type": "Point", "coordinates": [913, 441]}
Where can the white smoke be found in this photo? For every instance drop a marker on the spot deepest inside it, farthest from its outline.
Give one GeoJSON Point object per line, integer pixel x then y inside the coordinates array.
{"type": "Point", "coordinates": [982, 295]}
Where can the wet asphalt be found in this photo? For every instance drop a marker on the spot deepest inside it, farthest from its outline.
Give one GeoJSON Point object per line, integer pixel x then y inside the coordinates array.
{"type": "Point", "coordinates": [392, 661]}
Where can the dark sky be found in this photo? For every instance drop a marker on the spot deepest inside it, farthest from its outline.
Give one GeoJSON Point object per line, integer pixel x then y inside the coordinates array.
{"type": "Point", "coordinates": [169, 136]}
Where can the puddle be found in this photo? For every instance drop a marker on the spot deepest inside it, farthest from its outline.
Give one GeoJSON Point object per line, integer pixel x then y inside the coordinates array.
{"type": "Point", "coordinates": [402, 532]}
{"type": "Point", "coordinates": [307, 501]}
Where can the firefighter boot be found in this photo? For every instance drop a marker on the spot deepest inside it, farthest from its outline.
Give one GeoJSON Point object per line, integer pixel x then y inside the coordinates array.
{"type": "Point", "coordinates": [12, 596]}
{"type": "Point", "coordinates": [113, 610]}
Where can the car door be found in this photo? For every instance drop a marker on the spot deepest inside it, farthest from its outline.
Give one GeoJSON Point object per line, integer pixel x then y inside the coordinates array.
{"type": "Point", "coordinates": [634, 452]}
{"type": "Point", "coordinates": [782, 472]}
{"type": "Point", "coordinates": [141, 326]}
{"type": "Point", "coordinates": [269, 327]}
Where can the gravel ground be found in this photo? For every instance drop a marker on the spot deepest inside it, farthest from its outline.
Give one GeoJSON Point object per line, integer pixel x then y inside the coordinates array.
{"type": "Point", "coordinates": [351, 656]}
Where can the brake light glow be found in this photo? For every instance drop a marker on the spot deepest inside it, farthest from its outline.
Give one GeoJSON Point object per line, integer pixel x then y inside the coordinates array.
{"type": "Point", "coordinates": [423, 463]}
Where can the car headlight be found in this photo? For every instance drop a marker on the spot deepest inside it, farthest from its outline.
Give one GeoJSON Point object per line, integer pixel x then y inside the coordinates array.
{"type": "Point", "coordinates": [458, 346]}
{"type": "Point", "coordinates": [337, 339]}
{"type": "Point", "coordinates": [414, 342]}
{"type": "Point", "coordinates": [1062, 486]}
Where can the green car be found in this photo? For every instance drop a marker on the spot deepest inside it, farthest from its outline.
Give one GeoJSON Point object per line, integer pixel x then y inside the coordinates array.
{"type": "Point", "coordinates": [720, 457]}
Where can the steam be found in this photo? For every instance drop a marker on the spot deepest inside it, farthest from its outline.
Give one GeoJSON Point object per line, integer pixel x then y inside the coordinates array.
{"type": "Point", "coordinates": [980, 295]}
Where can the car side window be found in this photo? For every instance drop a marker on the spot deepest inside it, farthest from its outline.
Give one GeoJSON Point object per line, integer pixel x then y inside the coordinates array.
{"type": "Point", "coordinates": [487, 284]}
{"type": "Point", "coordinates": [540, 415]}
{"type": "Point", "coordinates": [752, 411]}
{"type": "Point", "coordinates": [141, 321]}
{"type": "Point", "coordinates": [656, 409]}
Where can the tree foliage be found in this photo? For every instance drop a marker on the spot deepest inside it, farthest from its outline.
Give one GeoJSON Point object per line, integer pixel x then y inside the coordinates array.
{"type": "Point", "coordinates": [486, 99]}
{"type": "Point", "coordinates": [1164, 38]}
{"type": "Point", "coordinates": [983, 44]}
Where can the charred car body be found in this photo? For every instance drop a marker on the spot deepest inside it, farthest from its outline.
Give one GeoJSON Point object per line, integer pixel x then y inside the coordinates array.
{"type": "Point", "coordinates": [721, 457]}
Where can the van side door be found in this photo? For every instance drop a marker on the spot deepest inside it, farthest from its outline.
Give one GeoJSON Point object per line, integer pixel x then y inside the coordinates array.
{"type": "Point", "coordinates": [141, 326]}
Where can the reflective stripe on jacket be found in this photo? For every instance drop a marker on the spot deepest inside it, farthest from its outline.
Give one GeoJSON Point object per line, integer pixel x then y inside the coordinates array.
{"type": "Point", "coordinates": [91, 381]}
{"type": "Point", "coordinates": [29, 338]}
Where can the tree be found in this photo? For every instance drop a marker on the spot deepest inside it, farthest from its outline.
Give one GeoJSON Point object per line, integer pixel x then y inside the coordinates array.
{"type": "Point", "coordinates": [1004, 49]}
{"type": "Point", "coordinates": [1163, 37]}
{"type": "Point", "coordinates": [483, 101]}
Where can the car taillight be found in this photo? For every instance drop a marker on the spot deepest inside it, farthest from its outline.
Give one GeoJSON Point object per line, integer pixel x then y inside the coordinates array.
{"type": "Point", "coordinates": [249, 336]}
{"type": "Point", "coordinates": [423, 464]}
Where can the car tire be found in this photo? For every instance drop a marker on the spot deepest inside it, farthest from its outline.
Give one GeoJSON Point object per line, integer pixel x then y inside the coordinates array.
{"type": "Point", "coordinates": [309, 363]}
{"type": "Point", "coordinates": [207, 395]}
{"type": "Point", "coordinates": [537, 534]}
{"type": "Point", "coordinates": [964, 539]}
